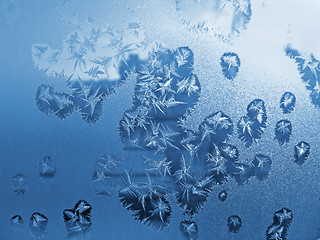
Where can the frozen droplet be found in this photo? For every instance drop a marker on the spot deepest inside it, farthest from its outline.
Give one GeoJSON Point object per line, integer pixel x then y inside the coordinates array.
{"type": "Point", "coordinates": [230, 64]}
{"type": "Point", "coordinates": [283, 131]}
{"type": "Point", "coordinates": [234, 223]}
{"type": "Point", "coordinates": [261, 165]}
{"type": "Point", "coordinates": [47, 168]}
{"type": "Point", "coordinates": [78, 219]}
{"type": "Point", "coordinates": [223, 195]}
{"type": "Point", "coordinates": [287, 102]}
{"type": "Point", "coordinates": [280, 226]}
{"type": "Point", "coordinates": [19, 184]}
{"type": "Point", "coordinates": [189, 230]}
{"type": "Point", "coordinates": [17, 222]}
{"type": "Point", "coordinates": [38, 224]}
{"type": "Point", "coordinates": [301, 152]}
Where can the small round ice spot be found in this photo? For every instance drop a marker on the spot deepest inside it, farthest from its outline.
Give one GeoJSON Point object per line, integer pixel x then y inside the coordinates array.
{"type": "Point", "coordinates": [223, 195]}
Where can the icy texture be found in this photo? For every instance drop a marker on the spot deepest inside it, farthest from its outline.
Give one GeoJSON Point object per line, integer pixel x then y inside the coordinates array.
{"type": "Point", "coordinates": [230, 64]}
{"type": "Point", "coordinates": [287, 102]}
{"type": "Point", "coordinates": [38, 225]}
{"type": "Point", "coordinates": [103, 173]}
{"type": "Point", "coordinates": [234, 224]}
{"type": "Point", "coordinates": [283, 131]}
{"type": "Point", "coordinates": [301, 152]}
{"type": "Point", "coordinates": [308, 67]}
{"type": "Point", "coordinates": [251, 126]}
{"type": "Point", "coordinates": [78, 219]}
{"type": "Point", "coordinates": [47, 168]}
{"type": "Point", "coordinates": [19, 184]}
{"type": "Point", "coordinates": [189, 230]}
{"type": "Point", "coordinates": [92, 65]}
{"type": "Point", "coordinates": [225, 18]}
{"type": "Point", "coordinates": [17, 222]}
{"type": "Point", "coordinates": [280, 226]}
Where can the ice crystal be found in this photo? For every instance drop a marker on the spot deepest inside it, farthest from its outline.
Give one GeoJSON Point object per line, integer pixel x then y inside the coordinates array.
{"type": "Point", "coordinates": [103, 174]}
{"type": "Point", "coordinates": [78, 219]}
{"type": "Point", "coordinates": [280, 226]}
{"type": "Point", "coordinates": [230, 64]}
{"type": "Point", "coordinates": [47, 168]}
{"type": "Point", "coordinates": [283, 131]}
{"type": "Point", "coordinates": [189, 230]}
{"type": "Point", "coordinates": [251, 126]}
{"type": "Point", "coordinates": [38, 225]}
{"type": "Point", "coordinates": [308, 67]}
{"type": "Point", "coordinates": [147, 202]}
{"type": "Point", "coordinates": [17, 222]}
{"type": "Point", "coordinates": [287, 102]}
{"type": "Point", "coordinates": [234, 223]}
{"type": "Point", "coordinates": [301, 152]}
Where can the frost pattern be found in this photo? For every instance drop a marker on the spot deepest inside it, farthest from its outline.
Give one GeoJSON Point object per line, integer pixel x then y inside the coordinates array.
{"type": "Point", "coordinates": [78, 219]}
{"type": "Point", "coordinates": [251, 126]}
{"type": "Point", "coordinates": [180, 162]}
{"type": "Point", "coordinates": [92, 65]}
{"type": "Point", "coordinates": [309, 70]}
{"type": "Point", "coordinates": [225, 18]}
{"type": "Point", "coordinates": [280, 226]}
{"type": "Point", "coordinates": [230, 64]}
{"type": "Point", "coordinates": [283, 131]}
